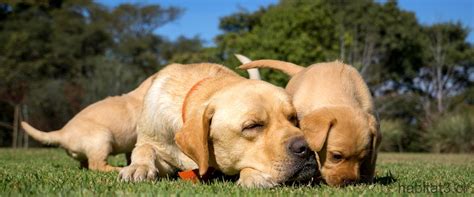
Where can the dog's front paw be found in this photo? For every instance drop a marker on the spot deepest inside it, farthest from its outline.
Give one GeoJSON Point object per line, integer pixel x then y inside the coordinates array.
{"type": "Point", "coordinates": [253, 178]}
{"type": "Point", "coordinates": [138, 172]}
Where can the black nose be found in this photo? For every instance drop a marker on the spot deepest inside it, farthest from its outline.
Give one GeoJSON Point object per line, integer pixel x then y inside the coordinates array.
{"type": "Point", "coordinates": [299, 147]}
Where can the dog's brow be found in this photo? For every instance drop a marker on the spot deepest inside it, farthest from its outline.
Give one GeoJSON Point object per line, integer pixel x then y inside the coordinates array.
{"type": "Point", "coordinates": [336, 149]}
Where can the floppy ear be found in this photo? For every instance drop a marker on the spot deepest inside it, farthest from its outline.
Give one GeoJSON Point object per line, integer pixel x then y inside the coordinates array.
{"type": "Point", "coordinates": [192, 139]}
{"type": "Point", "coordinates": [368, 167]}
{"type": "Point", "coordinates": [316, 126]}
{"type": "Point", "coordinates": [376, 136]}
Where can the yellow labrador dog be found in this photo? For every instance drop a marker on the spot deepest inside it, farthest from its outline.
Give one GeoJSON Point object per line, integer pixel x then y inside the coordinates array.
{"type": "Point", "coordinates": [101, 129]}
{"type": "Point", "coordinates": [200, 116]}
{"type": "Point", "coordinates": [337, 116]}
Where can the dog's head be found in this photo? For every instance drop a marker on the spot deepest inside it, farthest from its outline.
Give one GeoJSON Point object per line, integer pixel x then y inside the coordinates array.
{"type": "Point", "coordinates": [248, 126]}
{"type": "Point", "coordinates": [346, 141]}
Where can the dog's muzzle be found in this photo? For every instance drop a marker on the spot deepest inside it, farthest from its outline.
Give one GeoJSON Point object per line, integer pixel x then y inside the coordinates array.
{"type": "Point", "coordinates": [304, 165]}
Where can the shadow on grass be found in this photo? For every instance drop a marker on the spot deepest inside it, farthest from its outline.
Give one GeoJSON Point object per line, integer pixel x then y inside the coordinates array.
{"type": "Point", "coordinates": [386, 179]}
{"type": "Point", "coordinates": [215, 176]}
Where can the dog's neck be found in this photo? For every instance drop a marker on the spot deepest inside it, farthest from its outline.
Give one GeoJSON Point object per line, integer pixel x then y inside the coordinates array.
{"type": "Point", "coordinates": [188, 94]}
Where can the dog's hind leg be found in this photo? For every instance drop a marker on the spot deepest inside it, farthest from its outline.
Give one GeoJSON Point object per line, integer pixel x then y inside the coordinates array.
{"type": "Point", "coordinates": [99, 163]}
{"type": "Point", "coordinates": [97, 158]}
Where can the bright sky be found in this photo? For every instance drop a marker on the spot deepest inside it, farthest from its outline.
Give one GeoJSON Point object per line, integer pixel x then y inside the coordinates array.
{"type": "Point", "coordinates": [201, 17]}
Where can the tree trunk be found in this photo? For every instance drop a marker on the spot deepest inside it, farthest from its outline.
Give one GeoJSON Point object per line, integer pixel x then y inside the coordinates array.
{"type": "Point", "coordinates": [439, 92]}
{"type": "Point", "coordinates": [342, 50]}
{"type": "Point", "coordinates": [16, 114]}
{"type": "Point", "coordinates": [24, 117]}
{"type": "Point", "coordinates": [399, 144]}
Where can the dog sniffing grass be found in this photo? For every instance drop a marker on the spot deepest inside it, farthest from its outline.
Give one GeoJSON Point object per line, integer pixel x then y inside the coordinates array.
{"type": "Point", "coordinates": [41, 172]}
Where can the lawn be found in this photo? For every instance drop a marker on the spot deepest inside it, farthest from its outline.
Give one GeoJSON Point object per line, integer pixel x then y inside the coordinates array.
{"type": "Point", "coordinates": [47, 172]}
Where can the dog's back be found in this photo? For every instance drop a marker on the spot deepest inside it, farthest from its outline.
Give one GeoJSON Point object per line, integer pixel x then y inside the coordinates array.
{"type": "Point", "coordinates": [326, 84]}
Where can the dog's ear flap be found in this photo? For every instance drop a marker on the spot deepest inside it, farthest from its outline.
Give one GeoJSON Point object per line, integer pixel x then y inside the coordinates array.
{"type": "Point", "coordinates": [316, 126]}
{"type": "Point", "coordinates": [368, 167]}
{"type": "Point", "coordinates": [193, 137]}
{"type": "Point", "coordinates": [376, 136]}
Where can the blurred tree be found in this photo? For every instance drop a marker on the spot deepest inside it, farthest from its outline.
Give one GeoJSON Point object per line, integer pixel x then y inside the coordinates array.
{"type": "Point", "coordinates": [42, 41]}
{"type": "Point", "coordinates": [373, 37]}
{"type": "Point", "coordinates": [392, 132]}
{"type": "Point", "coordinates": [447, 67]}
{"type": "Point", "coordinates": [452, 133]}
{"type": "Point", "coordinates": [58, 56]}
{"type": "Point", "coordinates": [415, 72]}
{"type": "Point", "coordinates": [298, 31]}
{"type": "Point", "coordinates": [132, 27]}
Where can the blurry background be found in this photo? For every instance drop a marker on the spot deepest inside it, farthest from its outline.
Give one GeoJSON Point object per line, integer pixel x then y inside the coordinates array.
{"type": "Point", "coordinates": [58, 56]}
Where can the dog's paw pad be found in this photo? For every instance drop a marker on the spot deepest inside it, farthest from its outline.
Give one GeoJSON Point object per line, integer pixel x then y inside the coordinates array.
{"type": "Point", "coordinates": [255, 180]}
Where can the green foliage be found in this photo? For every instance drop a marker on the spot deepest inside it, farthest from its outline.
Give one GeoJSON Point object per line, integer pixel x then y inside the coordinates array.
{"type": "Point", "coordinates": [403, 112]}
{"type": "Point", "coordinates": [415, 72]}
{"type": "Point", "coordinates": [50, 172]}
{"type": "Point", "coordinates": [57, 57]}
{"type": "Point", "coordinates": [452, 132]}
{"type": "Point", "coordinates": [110, 78]}
{"type": "Point", "coordinates": [43, 100]}
{"type": "Point", "coordinates": [392, 133]}
{"type": "Point", "coordinates": [447, 72]}
{"type": "Point", "coordinates": [451, 37]}
{"type": "Point", "coordinates": [298, 31]}
{"type": "Point", "coordinates": [373, 37]}
{"type": "Point", "coordinates": [47, 42]}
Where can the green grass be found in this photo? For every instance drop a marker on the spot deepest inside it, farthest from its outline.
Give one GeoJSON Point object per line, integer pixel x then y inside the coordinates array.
{"type": "Point", "coordinates": [50, 172]}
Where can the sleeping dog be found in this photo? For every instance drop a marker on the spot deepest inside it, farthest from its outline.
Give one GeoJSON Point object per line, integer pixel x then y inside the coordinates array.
{"type": "Point", "coordinates": [200, 116]}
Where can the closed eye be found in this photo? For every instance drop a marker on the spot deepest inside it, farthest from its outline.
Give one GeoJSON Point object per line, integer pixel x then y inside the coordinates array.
{"type": "Point", "coordinates": [252, 129]}
{"type": "Point", "coordinates": [253, 126]}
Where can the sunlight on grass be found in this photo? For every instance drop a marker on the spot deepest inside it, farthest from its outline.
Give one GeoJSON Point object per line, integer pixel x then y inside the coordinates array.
{"type": "Point", "coordinates": [42, 172]}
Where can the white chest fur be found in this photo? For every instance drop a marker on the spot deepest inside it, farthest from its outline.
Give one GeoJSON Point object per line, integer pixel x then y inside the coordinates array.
{"type": "Point", "coordinates": [164, 120]}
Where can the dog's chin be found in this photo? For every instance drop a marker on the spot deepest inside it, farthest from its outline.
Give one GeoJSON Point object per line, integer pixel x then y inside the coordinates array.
{"type": "Point", "coordinates": [336, 181]}
{"type": "Point", "coordinates": [331, 182]}
{"type": "Point", "coordinates": [303, 172]}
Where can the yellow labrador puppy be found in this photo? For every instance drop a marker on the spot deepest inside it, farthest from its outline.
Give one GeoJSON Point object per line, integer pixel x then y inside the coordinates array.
{"type": "Point", "coordinates": [337, 116]}
{"type": "Point", "coordinates": [101, 129]}
{"type": "Point", "coordinates": [200, 116]}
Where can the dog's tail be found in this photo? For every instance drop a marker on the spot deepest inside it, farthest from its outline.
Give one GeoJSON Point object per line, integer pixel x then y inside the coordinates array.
{"type": "Point", "coordinates": [253, 72]}
{"type": "Point", "coordinates": [287, 67]}
{"type": "Point", "coordinates": [50, 138]}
